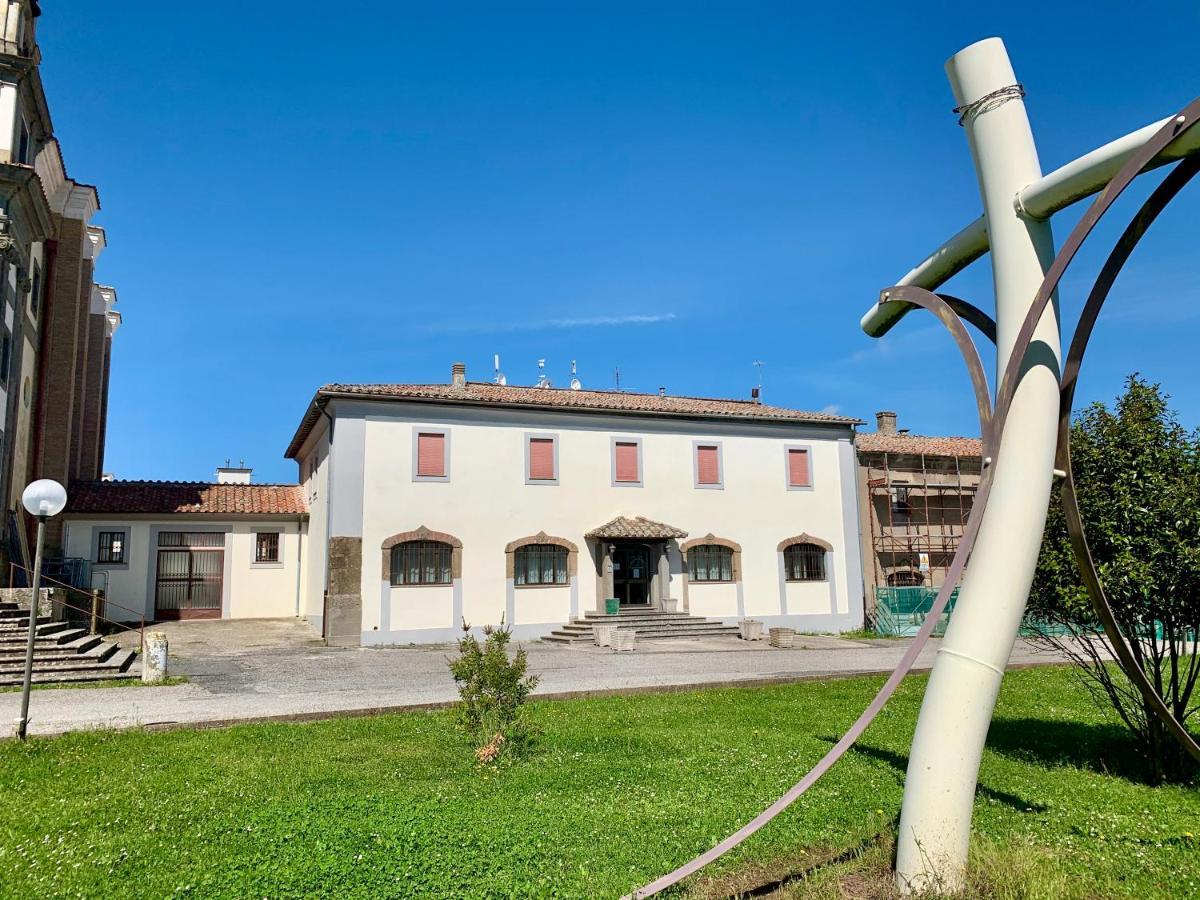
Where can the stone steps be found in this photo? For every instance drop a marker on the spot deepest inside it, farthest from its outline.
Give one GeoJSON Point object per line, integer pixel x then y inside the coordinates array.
{"type": "Point", "coordinates": [646, 625]}
{"type": "Point", "coordinates": [61, 653]}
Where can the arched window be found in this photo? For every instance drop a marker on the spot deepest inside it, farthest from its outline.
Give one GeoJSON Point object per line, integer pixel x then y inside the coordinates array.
{"type": "Point", "coordinates": [710, 562]}
{"type": "Point", "coordinates": [421, 562]}
{"type": "Point", "coordinates": [804, 562]}
{"type": "Point", "coordinates": [540, 564]}
{"type": "Point", "coordinates": [905, 578]}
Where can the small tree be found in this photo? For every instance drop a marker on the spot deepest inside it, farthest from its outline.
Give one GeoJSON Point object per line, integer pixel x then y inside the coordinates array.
{"type": "Point", "coordinates": [493, 690]}
{"type": "Point", "coordinates": [1137, 475]}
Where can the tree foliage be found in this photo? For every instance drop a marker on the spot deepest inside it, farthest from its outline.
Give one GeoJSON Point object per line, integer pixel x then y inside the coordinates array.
{"type": "Point", "coordinates": [493, 690]}
{"type": "Point", "coordinates": [1137, 475]}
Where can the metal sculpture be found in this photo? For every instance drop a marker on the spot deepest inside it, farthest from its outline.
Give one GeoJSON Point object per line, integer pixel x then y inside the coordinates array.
{"type": "Point", "coordinates": [1109, 170]}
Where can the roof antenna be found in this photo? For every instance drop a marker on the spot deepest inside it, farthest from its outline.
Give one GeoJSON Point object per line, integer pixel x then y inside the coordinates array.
{"type": "Point", "coordinates": [576, 384]}
{"type": "Point", "coordinates": [499, 379]}
{"type": "Point", "coordinates": [543, 381]}
{"type": "Point", "coordinates": [617, 376]}
{"type": "Point", "coordinates": [756, 393]}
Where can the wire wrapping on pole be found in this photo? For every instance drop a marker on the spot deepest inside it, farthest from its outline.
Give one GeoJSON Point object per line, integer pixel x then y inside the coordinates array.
{"type": "Point", "coordinates": [988, 102]}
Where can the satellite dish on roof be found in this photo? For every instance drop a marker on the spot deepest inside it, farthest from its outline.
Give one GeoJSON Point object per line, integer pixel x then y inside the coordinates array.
{"type": "Point", "coordinates": [499, 379]}
{"type": "Point", "coordinates": [576, 384]}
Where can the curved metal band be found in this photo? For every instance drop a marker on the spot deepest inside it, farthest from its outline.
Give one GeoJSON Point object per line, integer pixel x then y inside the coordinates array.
{"type": "Point", "coordinates": [973, 315]}
{"type": "Point", "coordinates": [999, 414]}
{"type": "Point", "coordinates": [1170, 186]}
{"type": "Point", "coordinates": [940, 307]}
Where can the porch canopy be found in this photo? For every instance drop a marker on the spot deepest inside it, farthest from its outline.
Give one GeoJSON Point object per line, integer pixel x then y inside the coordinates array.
{"type": "Point", "coordinates": [640, 528]}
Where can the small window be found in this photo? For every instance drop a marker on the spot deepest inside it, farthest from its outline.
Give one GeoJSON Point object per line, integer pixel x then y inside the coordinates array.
{"type": "Point", "coordinates": [541, 457]}
{"type": "Point", "coordinates": [708, 465]}
{"type": "Point", "coordinates": [431, 454]}
{"type": "Point", "coordinates": [23, 143]}
{"type": "Point", "coordinates": [626, 462]}
{"type": "Point", "coordinates": [710, 562]}
{"type": "Point", "coordinates": [111, 547]}
{"type": "Point", "coordinates": [804, 562]}
{"type": "Point", "coordinates": [5, 357]}
{"type": "Point", "coordinates": [799, 471]}
{"type": "Point", "coordinates": [540, 564]}
{"type": "Point", "coordinates": [900, 500]}
{"type": "Point", "coordinates": [421, 562]}
{"type": "Point", "coordinates": [35, 291]}
{"type": "Point", "coordinates": [266, 547]}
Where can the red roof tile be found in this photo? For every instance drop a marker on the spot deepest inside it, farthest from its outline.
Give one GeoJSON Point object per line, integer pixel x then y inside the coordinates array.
{"type": "Point", "coordinates": [478, 393]}
{"type": "Point", "coordinates": [917, 444]}
{"type": "Point", "coordinates": [641, 527]}
{"type": "Point", "coordinates": [163, 497]}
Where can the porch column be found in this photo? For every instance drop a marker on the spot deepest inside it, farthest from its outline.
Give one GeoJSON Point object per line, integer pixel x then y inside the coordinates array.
{"type": "Point", "coordinates": [664, 574]}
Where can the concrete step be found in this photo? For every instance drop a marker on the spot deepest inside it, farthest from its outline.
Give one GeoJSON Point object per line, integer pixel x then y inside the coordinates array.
{"type": "Point", "coordinates": [46, 650]}
{"type": "Point", "coordinates": [129, 674]}
{"type": "Point", "coordinates": [105, 658]}
{"type": "Point", "coordinates": [694, 629]}
{"type": "Point", "coordinates": [51, 633]}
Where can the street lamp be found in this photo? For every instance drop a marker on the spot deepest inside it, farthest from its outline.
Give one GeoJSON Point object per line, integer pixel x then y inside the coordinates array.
{"type": "Point", "coordinates": [42, 498]}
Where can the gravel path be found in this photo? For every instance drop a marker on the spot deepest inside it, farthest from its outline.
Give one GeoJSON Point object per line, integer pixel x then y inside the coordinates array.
{"type": "Point", "coordinates": [247, 670]}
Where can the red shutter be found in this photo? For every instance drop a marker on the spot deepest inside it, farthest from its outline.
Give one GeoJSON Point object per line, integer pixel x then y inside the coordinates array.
{"type": "Point", "coordinates": [798, 473]}
{"type": "Point", "coordinates": [708, 470]}
{"type": "Point", "coordinates": [627, 461]}
{"type": "Point", "coordinates": [541, 459]}
{"type": "Point", "coordinates": [431, 455]}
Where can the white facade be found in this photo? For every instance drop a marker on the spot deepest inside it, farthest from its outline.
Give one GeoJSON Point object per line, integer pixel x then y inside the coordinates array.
{"type": "Point", "coordinates": [365, 493]}
{"type": "Point", "coordinates": [248, 589]}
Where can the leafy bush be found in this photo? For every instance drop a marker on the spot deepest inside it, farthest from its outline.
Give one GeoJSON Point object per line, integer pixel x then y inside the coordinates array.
{"type": "Point", "coordinates": [493, 690]}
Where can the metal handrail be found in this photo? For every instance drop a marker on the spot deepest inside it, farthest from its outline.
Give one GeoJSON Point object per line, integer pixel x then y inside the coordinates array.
{"type": "Point", "coordinates": [93, 612]}
{"type": "Point", "coordinates": [71, 587]}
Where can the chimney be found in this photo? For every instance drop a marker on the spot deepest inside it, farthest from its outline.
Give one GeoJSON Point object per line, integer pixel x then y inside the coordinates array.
{"type": "Point", "coordinates": [233, 474]}
{"type": "Point", "coordinates": [662, 392]}
{"type": "Point", "coordinates": [755, 395]}
{"type": "Point", "coordinates": [885, 422]}
{"type": "Point", "coordinates": [458, 375]}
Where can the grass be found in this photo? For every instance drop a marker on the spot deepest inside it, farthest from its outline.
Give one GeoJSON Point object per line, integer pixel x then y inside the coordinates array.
{"type": "Point", "coordinates": [169, 681]}
{"type": "Point", "coordinates": [619, 791]}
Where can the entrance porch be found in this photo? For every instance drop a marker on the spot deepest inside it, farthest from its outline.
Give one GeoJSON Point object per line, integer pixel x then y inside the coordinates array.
{"type": "Point", "coordinates": [633, 563]}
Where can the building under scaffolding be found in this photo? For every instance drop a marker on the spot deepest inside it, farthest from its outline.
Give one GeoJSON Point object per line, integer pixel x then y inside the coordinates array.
{"type": "Point", "coordinates": [915, 494]}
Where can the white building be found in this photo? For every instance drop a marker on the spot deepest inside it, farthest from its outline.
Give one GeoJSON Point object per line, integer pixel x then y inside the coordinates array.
{"type": "Point", "coordinates": [167, 550]}
{"type": "Point", "coordinates": [430, 504]}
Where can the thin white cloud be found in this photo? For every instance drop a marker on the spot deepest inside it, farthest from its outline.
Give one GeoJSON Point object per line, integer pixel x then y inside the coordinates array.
{"type": "Point", "coordinates": [469, 327]}
{"type": "Point", "coordinates": [832, 409]}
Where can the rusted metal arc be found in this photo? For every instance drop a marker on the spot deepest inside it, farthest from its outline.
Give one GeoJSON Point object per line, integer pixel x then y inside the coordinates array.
{"type": "Point", "coordinates": [1170, 186]}
{"type": "Point", "coordinates": [940, 307]}
{"type": "Point", "coordinates": [1168, 134]}
{"type": "Point", "coordinates": [861, 724]}
{"type": "Point", "coordinates": [973, 315]}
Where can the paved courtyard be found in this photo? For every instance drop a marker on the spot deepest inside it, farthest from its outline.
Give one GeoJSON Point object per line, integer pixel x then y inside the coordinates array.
{"type": "Point", "coordinates": [247, 670]}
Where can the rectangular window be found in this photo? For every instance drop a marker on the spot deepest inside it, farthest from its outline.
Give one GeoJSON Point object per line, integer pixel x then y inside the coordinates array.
{"type": "Point", "coordinates": [710, 562]}
{"type": "Point", "coordinates": [111, 547]}
{"type": "Point", "coordinates": [35, 292]}
{"type": "Point", "coordinates": [5, 357]}
{"type": "Point", "coordinates": [708, 464]}
{"type": "Point", "coordinates": [541, 459]}
{"type": "Point", "coordinates": [431, 454]}
{"type": "Point", "coordinates": [626, 468]}
{"type": "Point", "coordinates": [266, 547]}
{"type": "Point", "coordinates": [798, 469]}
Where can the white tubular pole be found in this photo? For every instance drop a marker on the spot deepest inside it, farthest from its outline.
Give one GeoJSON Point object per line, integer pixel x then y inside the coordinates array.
{"type": "Point", "coordinates": [939, 791]}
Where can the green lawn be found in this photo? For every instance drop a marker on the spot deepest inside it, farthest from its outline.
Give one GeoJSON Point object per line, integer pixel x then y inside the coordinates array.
{"type": "Point", "coordinates": [619, 790]}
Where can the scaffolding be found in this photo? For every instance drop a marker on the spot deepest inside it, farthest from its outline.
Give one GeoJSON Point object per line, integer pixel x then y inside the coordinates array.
{"type": "Point", "coordinates": [917, 508]}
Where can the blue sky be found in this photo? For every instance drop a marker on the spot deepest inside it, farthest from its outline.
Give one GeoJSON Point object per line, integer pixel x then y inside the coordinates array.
{"type": "Point", "coordinates": [299, 193]}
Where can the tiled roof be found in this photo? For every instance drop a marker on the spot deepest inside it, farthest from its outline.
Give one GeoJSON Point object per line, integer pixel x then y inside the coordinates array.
{"type": "Point", "coordinates": [165, 497]}
{"type": "Point", "coordinates": [641, 527]}
{"type": "Point", "coordinates": [917, 444]}
{"type": "Point", "coordinates": [479, 393]}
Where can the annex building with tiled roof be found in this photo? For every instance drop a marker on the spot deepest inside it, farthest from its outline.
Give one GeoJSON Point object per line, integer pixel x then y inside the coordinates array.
{"type": "Point", "coordinates": [915, 494]}
{"type": "Point", "coordinates": [431, 504]}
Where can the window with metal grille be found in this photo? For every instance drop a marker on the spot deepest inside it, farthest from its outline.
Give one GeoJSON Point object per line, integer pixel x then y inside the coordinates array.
{"type": "Point", "coordinates": [540, 564]}
{"type": "Point", "coordinates": [111, 547]}
{"type": "Point", "coordinates": [710, 562]}
{"type": "Point", "coordinates": [266, 547]}
{"type": "Point", "coordinates": [421, 562]}
{"type": "Point", "coordinates": [804, 562]}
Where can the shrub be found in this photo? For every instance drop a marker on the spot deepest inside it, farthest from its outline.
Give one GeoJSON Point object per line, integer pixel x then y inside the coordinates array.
{"type": "Point", "coordinates": [493, 690]}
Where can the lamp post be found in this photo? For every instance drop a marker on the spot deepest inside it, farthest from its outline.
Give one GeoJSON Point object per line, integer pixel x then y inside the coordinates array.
{"type": "Point", "coordinates": [43, 498]}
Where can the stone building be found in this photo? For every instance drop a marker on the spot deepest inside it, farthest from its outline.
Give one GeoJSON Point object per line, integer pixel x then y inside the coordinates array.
{"type": "Point", "coordinates": [57, 325]}
{"type": "Point", "coordinates": [915, 494]}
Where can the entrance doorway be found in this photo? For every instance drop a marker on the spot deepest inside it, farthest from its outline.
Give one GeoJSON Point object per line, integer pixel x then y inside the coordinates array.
{"type": "Point", "coordinates": [188, 582]}
{"type": "Point", "coordinates": [632, 573]}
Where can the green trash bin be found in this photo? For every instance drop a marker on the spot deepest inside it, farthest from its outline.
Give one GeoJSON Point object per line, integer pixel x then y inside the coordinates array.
{"type": "Point", "coordinates": [612, 606]}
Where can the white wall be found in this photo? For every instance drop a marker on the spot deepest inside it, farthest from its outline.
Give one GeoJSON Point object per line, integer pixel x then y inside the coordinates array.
{"type": "Point", "coordinates": [314, 478]}
{"type": "Point", "coordinates": [487, 503]}
{"type": "Point", "coordinates": [251, 590]}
